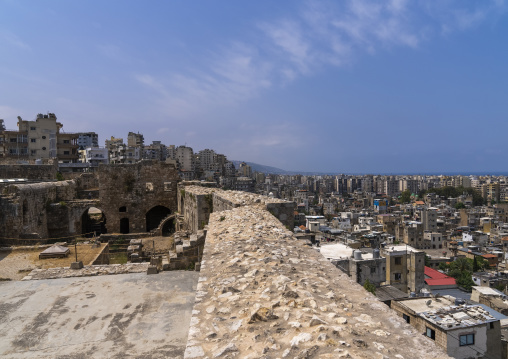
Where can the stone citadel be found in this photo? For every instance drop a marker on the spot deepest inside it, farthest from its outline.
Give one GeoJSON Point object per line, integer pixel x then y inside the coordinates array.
{"type": "Point", "coordinates": [261, 292]}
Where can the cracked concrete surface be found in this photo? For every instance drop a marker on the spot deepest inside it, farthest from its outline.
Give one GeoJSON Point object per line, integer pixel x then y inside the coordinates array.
{"type": "Point", "coordinates": [128, 315]}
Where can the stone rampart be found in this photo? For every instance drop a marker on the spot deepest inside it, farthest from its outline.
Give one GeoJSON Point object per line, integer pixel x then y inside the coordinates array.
{"type": "Point", "coordinates": [197, 202]}
{"type": "Point", "coordinates": [32, 172]}
{"type": "Point", "coordinates": [264, 294]}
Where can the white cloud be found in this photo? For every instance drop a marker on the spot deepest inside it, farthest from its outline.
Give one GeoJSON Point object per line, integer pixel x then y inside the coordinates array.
{"type": "Point", "coordinates": [320, 33]}
{"type": "Point", "coordinates": [14, 40]}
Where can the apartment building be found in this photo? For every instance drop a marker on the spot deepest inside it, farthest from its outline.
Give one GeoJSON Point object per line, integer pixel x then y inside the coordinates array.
{"type": "Point", "coordinates": [42, 138]}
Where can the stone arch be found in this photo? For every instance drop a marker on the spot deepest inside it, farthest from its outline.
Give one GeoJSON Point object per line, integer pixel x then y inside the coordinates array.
{"type": "Point", "coordinates": [93, 221]}
{"type": "Point", "coordinates": [155, 216]}
{"type": "Point", "coordinates": [167, 225]}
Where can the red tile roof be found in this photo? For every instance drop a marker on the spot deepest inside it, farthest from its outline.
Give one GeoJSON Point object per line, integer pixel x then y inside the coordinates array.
{"type": "Point", "coordinates": [434, 277]}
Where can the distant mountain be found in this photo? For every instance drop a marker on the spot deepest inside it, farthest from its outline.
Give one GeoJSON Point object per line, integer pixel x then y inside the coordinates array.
{"type": "Point", "coordinates": [256, 167]}
{"type": "Point", "coordinates": [262, 168]}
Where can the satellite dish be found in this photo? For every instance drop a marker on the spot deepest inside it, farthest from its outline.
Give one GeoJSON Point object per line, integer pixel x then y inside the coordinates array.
{"type": "Point", "coordinates": [429, 302]}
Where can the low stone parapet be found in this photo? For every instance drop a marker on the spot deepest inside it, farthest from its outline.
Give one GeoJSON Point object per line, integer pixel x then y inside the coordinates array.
{"type": "Point", "coordinates": [86, 271]}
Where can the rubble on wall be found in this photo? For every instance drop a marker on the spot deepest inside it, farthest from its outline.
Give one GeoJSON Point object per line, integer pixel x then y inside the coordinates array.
{"type": "Point", "coordinates": [197, 209]}
{"type": "Point", "coordinates": [263, 294]}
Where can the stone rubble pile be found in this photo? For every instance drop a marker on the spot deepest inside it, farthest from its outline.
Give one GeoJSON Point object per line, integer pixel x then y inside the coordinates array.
{"type": "Point", "coordinates": [263, 294]}
{"type": "Point", "coordinates": [54, 273]}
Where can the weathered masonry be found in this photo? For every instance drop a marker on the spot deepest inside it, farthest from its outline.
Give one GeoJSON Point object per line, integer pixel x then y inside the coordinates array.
{"type": "Point", "coordinates": [131, 198]}
{"type": "Point", "coordinates": [137, 197]}
{"type": "Point", "coordinates": [196, 202]}
{"type": "Point", "coordinates": [264, 294]}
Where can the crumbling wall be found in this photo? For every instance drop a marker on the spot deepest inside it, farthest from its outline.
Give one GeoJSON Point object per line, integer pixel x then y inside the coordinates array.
{"type": "Point", "coordinates": [24, 208]}
{"type": "Point", "coordinates": [263, 294]}
{"type": "Point", "coordinates": [129, 191]}
{"type": "Point", "coordinates": [197, 202]}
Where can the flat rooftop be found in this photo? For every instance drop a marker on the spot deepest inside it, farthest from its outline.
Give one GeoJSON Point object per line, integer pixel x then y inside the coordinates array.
{"type": "Point", "coordinates": [340, 251]}
{"type": "Point", "coordinates": [115, 316]}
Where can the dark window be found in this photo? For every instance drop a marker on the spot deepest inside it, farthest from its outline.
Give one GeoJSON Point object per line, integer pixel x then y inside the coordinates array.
{"type": "Point", "coordinates": [32, 128]}
{"type": "Point", "coordinates": [66, 152]}
{"type": "Point", "coordinates": [397, 276]}
{"type": "Point", "coordinates": [491, 325]}
{"type": "Point", "coordinates": [44, 148]}
{"type": "Point", "coordinates": [32, 140]}
{"type": "Point", "coordinates": [467, 339]}
{"type": "Point", "coordinates": [122, 209]}
{"type": "Point", "coordinates": [43, 137]}
{"type": "Point", "coordinates": [373, 270]}
{"type": "Point", "coordinates": [407, 318]}
{"type": "Point", "coordinates": [66, 141]}
{"type": "Point", "coordinates": [431, 333]}
{"type": "Point", "coordinates": [14, 140]}
{"type": "Point", "coordinates": [398, 260]}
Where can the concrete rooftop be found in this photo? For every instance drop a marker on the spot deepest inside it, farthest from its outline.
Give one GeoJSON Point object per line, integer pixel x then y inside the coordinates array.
{"type": "Point", "coordinates": [127, 315]}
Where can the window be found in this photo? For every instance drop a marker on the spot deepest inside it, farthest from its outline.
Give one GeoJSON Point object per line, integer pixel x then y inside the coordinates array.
{"type": "Point", "coordinates": [491, 325]}
{"type": "Point", "coordinates": [33, 152]}
{"type": "Point", "coordinates": [66, 141]}
{"type": "Point", "coordinates": [431, 333]}
{"type": "Point", "coordinates": [397, 276]}
{"type": "Point", "coordinates": [122, 209]}
{"type": "Point", "coordinates": [407, 318]}
{"type": "Point", "coordinates": [44, 148]}
{"type": "Point", "coordinates": [32, 128]}
{"type": "Point", "coordinates": [398, 260]}
{"type": "Point", "coordinates": [467, 339]}
{"type": "Point", "coordinates": [13, 140]}
{"type": "Point", "coordinates": [32, 140]}
{"type": "Point", "coordinates": [43, 137]}
{"type": "Point", "coordinates": [372, 270]}
{"type": "Point", "coordinates": [66, 152]}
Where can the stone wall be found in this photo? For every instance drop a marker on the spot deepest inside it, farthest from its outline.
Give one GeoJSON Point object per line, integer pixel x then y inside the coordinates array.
{"type": "Point", "coordinates": [197, 202]}
{"type": "Point", "coordinates": [129, 191]}
{"type": "Point", "coordinates": [263, 294]}
{"type": "Point", "coordinates": [24, 208]}
{"type": "Point", "coordinates": [32, 172]}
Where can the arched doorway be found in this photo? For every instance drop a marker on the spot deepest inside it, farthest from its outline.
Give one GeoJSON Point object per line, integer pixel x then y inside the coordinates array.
{"type": "Point", "coordinates": [155, 216]}
{"type": "Point", "coordinates": [93, 221]}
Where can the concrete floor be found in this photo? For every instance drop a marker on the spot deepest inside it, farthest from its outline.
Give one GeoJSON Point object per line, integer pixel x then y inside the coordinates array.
{"type": "Point", "coordinates": [115, 316]}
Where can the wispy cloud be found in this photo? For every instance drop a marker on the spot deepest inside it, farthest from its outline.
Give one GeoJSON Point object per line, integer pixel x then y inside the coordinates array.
{"type": "Point", "coordinates": [318, 34]}
{"type": "Point", "coordinates": [14, 40]}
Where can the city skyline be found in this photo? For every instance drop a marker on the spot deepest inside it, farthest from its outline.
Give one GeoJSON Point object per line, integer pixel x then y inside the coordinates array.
{"type": "Point", "coordinates": [315, 86]}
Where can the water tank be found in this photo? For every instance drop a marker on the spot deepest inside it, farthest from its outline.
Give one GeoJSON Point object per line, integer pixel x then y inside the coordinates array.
{"type": "Point", "coordinates": [412, 295]}
{"type": "Point", "coordinates": [357, 254]}
{"type": "Point", "coordinates": [375, 253]}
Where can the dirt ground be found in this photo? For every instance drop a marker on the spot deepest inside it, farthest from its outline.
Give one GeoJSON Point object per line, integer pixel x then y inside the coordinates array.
{"type": "Point", "coordinates": [162, 244]}
{"type": "Point", "coordinates": [18, 263]}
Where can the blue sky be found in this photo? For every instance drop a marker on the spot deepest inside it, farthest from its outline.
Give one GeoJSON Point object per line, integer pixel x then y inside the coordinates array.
{"type": "Point", "coordinates": [336, 86]}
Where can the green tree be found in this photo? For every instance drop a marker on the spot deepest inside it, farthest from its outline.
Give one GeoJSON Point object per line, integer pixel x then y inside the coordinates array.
{"type": "Point", "coordinates": [460, 205]}
{"type": "Point", "coordinates": [369, 287]}
{"type": "Point", "coordinates": [475, 265]}
{"type": "Point", "coordinates": [59, 176]}
{"type": "Point", "coordinates": [405, 197]}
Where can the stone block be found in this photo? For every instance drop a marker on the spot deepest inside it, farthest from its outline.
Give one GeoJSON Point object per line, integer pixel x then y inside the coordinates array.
{"type": "Point", "coordinates": [77, 265]}
{"type": "Point", "coordinates": [152, 270]}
